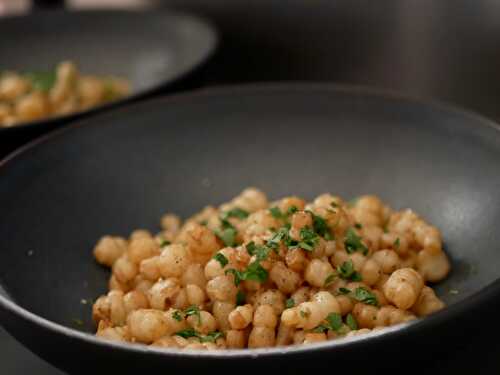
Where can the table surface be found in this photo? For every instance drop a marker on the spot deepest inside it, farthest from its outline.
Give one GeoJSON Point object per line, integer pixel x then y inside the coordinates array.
{"type": "Point", "coordinates": [447, 50]}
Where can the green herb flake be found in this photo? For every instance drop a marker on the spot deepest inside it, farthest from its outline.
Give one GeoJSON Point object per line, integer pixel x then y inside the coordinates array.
{"type": "Point", "coordinates": [320, 329]}
{"type": "Point", "coordinates": [262, 252]}
{"type": "Point", "coordinates": [358, 225]}
{"type": "Point", "coordinates": [334, 205]}
{"type": "Point", "coordinates": [319, 224]}
{"type": "Point", "coordinates": [291, 210]}
{"type": "Point", "coordinates": [353, 243]}
{"type": "Point", "coordinates": [187, 333]}
{"type": "Point", "coordinates": [347, 272]}
{"type": "Point", "coordinates": [240, 298]}
{"type": "Point", "coordinates": [211, 336]}
{"type": "Point", "coordinates": [235, 212]}
{"type": "Point", "coordinates": [330, 278]}
{"type": "Point", "coordinates": [344, 291]}
{"type": "Point", "coordinates": [275, 240]}
{"type": "Point", "coordinates": [351, 322]}
{"type": "Point", "coordinates": [250, 248]}
{"type": "Point", "coordinates": [219, 257]}
{"type": "Point", "coordinates": [365, 296]}
{"type": "Point", "coordinates": [255, 272]}
{"type": "Point", "coordinates": [177, 315]}
{"type": "Point", "coordinates": [334, 321]}
{"type": "Point", "coordinates": [193, 311]}
{"type": "Point", "coordinates": [228, 236]}
{"type": "Point", "coordinates": [239, 276]}
{"type": "Point", "coordinates": [276, 213]}
{"type": "Point", "coordinates": [396, 244]}
{"type": "Point", "coordinates": [308, 239]}
{"type": "Point", "coordinates": [42, 81]}
{"type": "Point", "coordinates": [289, 303]}
{"type": "Point", "coordinates": [164, 242]}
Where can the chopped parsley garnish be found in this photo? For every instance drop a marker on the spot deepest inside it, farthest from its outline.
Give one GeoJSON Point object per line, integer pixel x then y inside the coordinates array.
{"type": "Point", "coordinates": [397, 243]}
{"type": "Point", "coordinates": [193, 311]}
{"type": "Point", "coordinates": [330, 279]}
{"type": "Point", "coordinates": [204, 223]}
{"type": "Point", "coordinates": [358, 225]}
{"type": "Point", "coordinates": [261, 252]}
{"type": "Point", "coordinates": [251, 247]}
{"type": "Point", "coordinates": [289, 303]}
{"type": "Point", "coordinates": [177, 315]}
{"type": "Point", "coordinates": [346, 271]}
{"type": "Point", "coordinates": [275, 240]}
{"type": "Point", "coordinates": [321, 328]}
{"type": "Point", "coordinates": [42, 81]}
{"type": "Point", "coordinates": [228, 236]}
{"type": "Point", "coordinates": [219, 257]}
{"type": "Point", "coordinates": [308, 240]}
{"type": "Point", "coordinates": [211, 336]}
{"type": "Point", "coordinates": [190, 332]}
{"type": "Point", "coordinates": [239, 276]}
{"type": "Point", "coordinates": [334, 205]}
{"type": "Point", "coordinates": [365, 296]}
{"type": "Point", "coordinates": [276, 213]}
{"type": "Point", "coordinates": [280, 215]}
{"type": "Point", "coordinates": [240, 298]}
{"type": "Point", "coordinates": [351, 322]}
{"type": "Point", "coordinates": [343, 290]}
{"type": "Point", "coordinates": [320, 227]}
{"type": "Point", "coordinates": [187, 333]}
{"type": "Point", "coordinates": [164, 242]}
{"type": "Point", "coordinates": [235, 212]}
{"type": "Point", "coordinates": [353, 243]}
{"type": "Point", "coordinates": [385, 227]}
{"type": "Point", "coordinates": [334, 321]}
{"type": "Point", "coordinates": [254, 272]}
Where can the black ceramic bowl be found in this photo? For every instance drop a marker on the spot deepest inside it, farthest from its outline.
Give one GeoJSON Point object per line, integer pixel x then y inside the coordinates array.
{"type": "Point", "coordinates": [152, 49]}
{"type": "Point", "coordinates": [123, 169]}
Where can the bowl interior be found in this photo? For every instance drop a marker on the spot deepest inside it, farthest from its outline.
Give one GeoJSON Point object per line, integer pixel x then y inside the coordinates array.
{"type": "Point", "coordinates": [124, 169]}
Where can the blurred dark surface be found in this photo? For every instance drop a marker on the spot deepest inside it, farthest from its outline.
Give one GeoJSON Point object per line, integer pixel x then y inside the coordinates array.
{"type": "Point", "coordinates": [447, 50]}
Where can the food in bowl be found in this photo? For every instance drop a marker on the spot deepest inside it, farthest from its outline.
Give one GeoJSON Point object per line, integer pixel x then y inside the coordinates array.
{"type": "Point", "coordinates": [32, 96]}
{"type": "Point", "coordinates": [253, 274]}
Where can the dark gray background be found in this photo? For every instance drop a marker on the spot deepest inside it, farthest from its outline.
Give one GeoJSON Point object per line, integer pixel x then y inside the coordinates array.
{"type": "Point", "coordinates": [446, 49]}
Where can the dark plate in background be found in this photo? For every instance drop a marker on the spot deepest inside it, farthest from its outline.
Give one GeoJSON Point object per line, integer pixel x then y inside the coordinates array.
{"type": "Point", "coordinates": [152, 49]}
{"type": "Point", "coordinates": [123, 169]}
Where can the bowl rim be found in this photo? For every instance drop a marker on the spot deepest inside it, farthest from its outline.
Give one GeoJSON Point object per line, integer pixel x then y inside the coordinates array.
{"type": "Point", "coordinates": [213, 37]}
{"type": "Point", "coordinates": [480, 298]}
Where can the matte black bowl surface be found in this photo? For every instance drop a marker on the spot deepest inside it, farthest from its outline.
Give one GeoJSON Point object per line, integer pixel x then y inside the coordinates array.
{"type": "Point", "coordinates": [121, 170]}
{"type": "Point", "coordinates": [152, 49]}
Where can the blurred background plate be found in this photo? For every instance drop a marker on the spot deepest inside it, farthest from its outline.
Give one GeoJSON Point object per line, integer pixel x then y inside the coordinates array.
{"type": "Point", "coordinates": [150, 49]}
